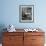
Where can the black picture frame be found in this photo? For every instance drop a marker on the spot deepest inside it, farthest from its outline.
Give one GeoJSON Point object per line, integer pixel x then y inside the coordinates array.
{"type": "Point", "coordinates": [26, 13]}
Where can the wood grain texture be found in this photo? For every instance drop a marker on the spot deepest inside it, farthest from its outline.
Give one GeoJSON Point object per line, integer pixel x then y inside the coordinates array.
{"type": "Point", "coordinates": [34, 39]}
{"type": "Point", "coordinates": [23, 39]}
{"type": "Point", "coordinates": [13, 39]}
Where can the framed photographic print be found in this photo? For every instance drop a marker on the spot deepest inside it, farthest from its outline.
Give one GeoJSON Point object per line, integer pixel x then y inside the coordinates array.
{"type": "Point", "coordinates": [26, 13]}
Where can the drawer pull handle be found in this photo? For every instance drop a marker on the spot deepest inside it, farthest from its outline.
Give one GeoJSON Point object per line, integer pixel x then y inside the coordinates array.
{"type": "Point", "coordinates": [33, 39]}
{"type": "Point", "coordinates": [10, 38]}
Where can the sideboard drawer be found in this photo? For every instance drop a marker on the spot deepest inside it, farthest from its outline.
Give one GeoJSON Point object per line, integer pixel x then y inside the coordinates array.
{"type": "Point", "coordinates": [34, 33]}
{"type": "Point", "coordinates": [13, 33]}
{"type": "Point", "coordinates": [37, 39]}
{"type": "Point", "coordinates": [12, 39]}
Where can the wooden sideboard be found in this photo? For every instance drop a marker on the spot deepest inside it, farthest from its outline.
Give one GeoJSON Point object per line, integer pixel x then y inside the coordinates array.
{"type": "Point", "coordinates": [23, 39]}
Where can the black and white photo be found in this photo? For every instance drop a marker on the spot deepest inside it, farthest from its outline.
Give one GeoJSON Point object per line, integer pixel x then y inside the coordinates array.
{"type": "Point", "coordinates": [26, 13]}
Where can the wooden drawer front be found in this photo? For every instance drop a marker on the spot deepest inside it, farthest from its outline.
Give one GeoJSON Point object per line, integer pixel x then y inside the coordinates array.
{"type": "Point", "coordinates": [8, 45]}
{"type": "Point", "coordinates": [33, 33]}
{"type": "Point", "coordinates": [20, 44]}
{"type": "Point", "coordinates": [37, 45]}
{"type": "Point", "coordinates": [37, 39]}
{"type": "Point", "coordinates": [27, 41]}
{"type": "Point", "coordinates": [12, 39]}
{"type": "Point", "coordinates": [13, 33]}
{"type": "Point", "coordinates": [33, 40]}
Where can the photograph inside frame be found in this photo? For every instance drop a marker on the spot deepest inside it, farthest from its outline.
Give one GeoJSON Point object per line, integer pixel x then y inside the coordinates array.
{"type": "Point", "coordinates": [26, 14]}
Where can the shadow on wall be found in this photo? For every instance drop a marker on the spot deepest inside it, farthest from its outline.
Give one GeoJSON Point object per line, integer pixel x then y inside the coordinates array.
{"type": "Point", "coordinates": [2, 26]}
